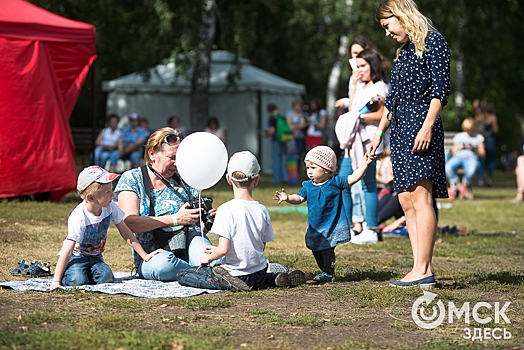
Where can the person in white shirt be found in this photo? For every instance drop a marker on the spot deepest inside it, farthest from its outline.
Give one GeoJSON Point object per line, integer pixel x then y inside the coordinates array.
{"type": "Point", "coordinates": [468, 148]}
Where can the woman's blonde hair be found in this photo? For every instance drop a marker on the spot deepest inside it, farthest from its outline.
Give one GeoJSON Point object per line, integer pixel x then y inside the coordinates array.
{"type": "Point", "coordinates": [156, 140]}
{"type": "Point", "coordinates": [468, 124]}
{"type": "Point", "coordinates": [416, 25]}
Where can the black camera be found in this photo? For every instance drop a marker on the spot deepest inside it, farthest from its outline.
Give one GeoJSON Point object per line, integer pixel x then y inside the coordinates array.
{"type": "Point", "coordinates": [206, 203]}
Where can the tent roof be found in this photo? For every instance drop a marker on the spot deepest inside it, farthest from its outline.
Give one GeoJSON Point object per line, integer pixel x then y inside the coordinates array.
{"type": "Point", "coordinates": [162, 78]}
{"type": "Point", "coordinates": [22, 20]}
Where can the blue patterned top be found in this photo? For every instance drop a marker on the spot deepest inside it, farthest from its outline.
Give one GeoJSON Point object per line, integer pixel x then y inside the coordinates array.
{"type": "Point", "coordinates": [130, 137]}
{"type": "Point", "coordinates": [327, 223]}
{"type": "Point", "coordinates": [165, 200]}
{"type": "Point", "coordinates": [415, 82]}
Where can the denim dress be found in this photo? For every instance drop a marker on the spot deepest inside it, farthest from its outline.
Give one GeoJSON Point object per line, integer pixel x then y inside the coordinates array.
{"type": "Point", "coordinates": [328, 225]}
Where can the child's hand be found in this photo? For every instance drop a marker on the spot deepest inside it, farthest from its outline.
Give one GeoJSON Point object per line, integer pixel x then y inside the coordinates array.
{"type": "Point", "coordinates": [209, 249]}
{"type": "Point", "coordinates": [368, 159]}
{"type": "Point", "coordinates": [152, 254]}
{"type": "Point", "coordinates": [54, 285]}
{"type": "Point", "coordinates": [281, 196]}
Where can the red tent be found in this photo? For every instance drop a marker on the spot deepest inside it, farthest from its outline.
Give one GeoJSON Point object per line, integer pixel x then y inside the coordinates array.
{"type": "Point", "coordinates": [44, 60]}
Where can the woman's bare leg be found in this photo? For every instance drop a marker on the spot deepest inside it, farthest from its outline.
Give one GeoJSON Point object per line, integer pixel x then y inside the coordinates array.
{"type": "Point", "coordinates": [423, 240]}
{"type": "Point", "coordinates": [404, 199]}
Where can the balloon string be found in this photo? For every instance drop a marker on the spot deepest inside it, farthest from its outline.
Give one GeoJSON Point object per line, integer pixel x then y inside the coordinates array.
{"type": "Point", "coordinates": [200, 214]}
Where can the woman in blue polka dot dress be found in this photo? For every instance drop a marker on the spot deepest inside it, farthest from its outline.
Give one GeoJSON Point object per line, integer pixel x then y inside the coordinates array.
{"type": "Point", "coordinates": [420, 87]}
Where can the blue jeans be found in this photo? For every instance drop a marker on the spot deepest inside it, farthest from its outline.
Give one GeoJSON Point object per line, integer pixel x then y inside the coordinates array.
{"type": "Point", "coordinates": [135, 157]}
{"type": "Point", "coordinates": [101, 156]}
{"type": "Point", "coordinates": [469, 164]}
{"type": "Point", "coordinates": [369, 186]}
{"type": "Point", "coordinates": [491, 155]}
{"type": "Point", "coordinates": [165, 266]}
{"type": "Point", "coordinates": [83, 270]}
{"type": "Point", "coordinates": [358, 203]}
{"type": "Point", "coordinates": [278, 153]}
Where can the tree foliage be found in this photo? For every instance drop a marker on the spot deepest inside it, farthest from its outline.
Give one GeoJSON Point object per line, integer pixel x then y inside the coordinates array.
{"type": "Point", "coordinates": [298, 39]}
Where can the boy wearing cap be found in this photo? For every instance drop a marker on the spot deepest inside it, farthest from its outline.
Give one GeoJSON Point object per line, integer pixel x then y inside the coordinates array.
{"type": "Point", "coordinates": [80, 259]}
{"type": "Point", "coordinates": [328, 225]}
{"type": "Point", "coordinates": [243, 227]}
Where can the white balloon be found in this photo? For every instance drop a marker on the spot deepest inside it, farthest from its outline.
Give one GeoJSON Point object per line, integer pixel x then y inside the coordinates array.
{"type": "Point", "coordinates": [201, 160]}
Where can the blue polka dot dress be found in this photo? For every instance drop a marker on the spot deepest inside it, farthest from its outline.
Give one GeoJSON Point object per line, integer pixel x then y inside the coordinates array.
{"type": "Point", "coordinates": [415, 82]}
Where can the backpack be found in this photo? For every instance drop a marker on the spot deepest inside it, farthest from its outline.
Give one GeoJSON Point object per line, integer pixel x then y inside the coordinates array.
{"type": "Point", "coordinates": [283, 132]}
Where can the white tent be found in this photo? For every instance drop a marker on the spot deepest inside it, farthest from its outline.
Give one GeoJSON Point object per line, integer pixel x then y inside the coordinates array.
{"type": "Point", "coordinates": [241, 109]}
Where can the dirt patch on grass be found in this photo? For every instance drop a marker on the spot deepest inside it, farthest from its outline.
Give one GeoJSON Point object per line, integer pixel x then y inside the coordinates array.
{"type": "Point", "coordinates": [311, 316]}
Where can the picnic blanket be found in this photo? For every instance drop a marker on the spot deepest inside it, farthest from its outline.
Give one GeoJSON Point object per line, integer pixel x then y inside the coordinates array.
{"type": "Point", "coordinates": [124, 284]}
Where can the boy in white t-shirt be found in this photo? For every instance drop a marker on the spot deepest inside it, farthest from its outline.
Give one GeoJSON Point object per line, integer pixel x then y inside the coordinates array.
{"type": "Point", "coordinates": [80, 259]}
{"type": "Point", "coordinates": [243, 227]}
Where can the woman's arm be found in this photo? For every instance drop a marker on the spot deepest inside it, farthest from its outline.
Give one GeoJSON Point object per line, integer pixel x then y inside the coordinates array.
{"type": "Point", "coordinates": [481, 150]}
{"type": "Point", "coordinates": [128, 202]}
{"type": "Point", "coordinates": [323, 119]}
{"type": "Point", "coordinates": [377, 140]}
{"type": "Point", "coordinates": [374, 118]}
{"type": "Point", "coordinates": [98, 141]}
{"type": "Point", "coordinates": [423, 139]}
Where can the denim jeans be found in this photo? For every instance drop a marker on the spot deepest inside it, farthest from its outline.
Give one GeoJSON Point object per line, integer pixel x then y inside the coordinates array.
{"type": "Point", "coordinates": [491, 154]}
{"type": "Point", "coordinates": [278, 153]}
{"type": "Point", "coordinates": [83, 270]}
{"type": "Point", "coordinates": [101, 156]}
{"type": "Point", "coordinates": [357, 198]}
{"type": "Point", "coordinates": [259, 278]}
{"type": "Point", "coordinates": [165, 266]}
{"type": "Point", "coordinates": [135, 157]}
{"type": "Point", "coordinates": [469, 164]}
{"type": "Point", "coordinates": [369, 186]}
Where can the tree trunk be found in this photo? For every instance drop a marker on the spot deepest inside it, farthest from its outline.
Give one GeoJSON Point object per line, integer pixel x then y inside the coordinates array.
{"type": "Point", "coordinates": [201, 68]}
{"type": "Point", "coordinates": [333, 79]}
{"type": "Point", "coordinates": [459, 85]}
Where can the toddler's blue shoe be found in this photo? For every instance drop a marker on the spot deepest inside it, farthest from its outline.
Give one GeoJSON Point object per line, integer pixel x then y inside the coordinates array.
{"type": "Point", "coordinates": [423, 283]}
{"type": "Point", "coordinates": [21, 269]}
{"type": "Point", "coordinates": [323, 277]}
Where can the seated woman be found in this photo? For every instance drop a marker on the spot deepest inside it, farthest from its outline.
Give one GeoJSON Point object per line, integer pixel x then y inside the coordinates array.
{"type": "Point", "coordinates": [107, 140]}
{"type": "Point", "coordinates": [171, 198]}
{"type": "Point", "coordinates": [467, 149]}
{"type": "Point", "coordinates": [130, 143]}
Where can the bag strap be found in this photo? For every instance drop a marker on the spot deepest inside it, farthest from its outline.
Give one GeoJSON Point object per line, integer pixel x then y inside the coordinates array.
{"type": "Point", "coordinates": [148, 186]}
{"type": "Point", "coordinates": [179, 182]}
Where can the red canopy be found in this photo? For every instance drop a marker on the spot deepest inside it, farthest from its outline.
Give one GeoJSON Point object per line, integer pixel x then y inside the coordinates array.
{"type": "Point", "coordinates": [44, 60]}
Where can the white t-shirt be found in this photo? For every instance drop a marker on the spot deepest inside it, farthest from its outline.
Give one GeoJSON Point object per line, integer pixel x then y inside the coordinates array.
{"type": "Point", "coordinates": [467, 143]}
{"type": "Point", "coordinates": [312, 130]}
{"type": "Point", "coordinates": [247, 225]}
{"type": "Point", "coordinates": [362, 97]}
{"type": "Point", "coordinates": [109, 137]}
{"type": "Point", "coordinates": [90, 231]}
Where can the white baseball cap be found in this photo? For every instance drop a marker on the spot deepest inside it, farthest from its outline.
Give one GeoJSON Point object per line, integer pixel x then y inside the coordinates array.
{"type": "Point", "coordinates": [244, 162]}
{"type": "Point", "coordinates": [92, 174]}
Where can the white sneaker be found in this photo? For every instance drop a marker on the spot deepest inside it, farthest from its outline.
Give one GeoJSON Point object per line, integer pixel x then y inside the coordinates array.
{"type": "Point", "coordinates": [365, 237]}
{"type": "Point", "coordinates": [276, 268]}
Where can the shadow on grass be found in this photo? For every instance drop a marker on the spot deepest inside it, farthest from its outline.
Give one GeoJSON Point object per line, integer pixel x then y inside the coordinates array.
{"type": "Point", "coordinates": [503, 277]}
{"type": "Point", "coordinates": [371, 274]}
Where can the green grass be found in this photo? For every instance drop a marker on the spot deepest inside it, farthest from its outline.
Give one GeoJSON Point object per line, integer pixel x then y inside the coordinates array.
{"type": "Point", "coordinates": [484, 263]}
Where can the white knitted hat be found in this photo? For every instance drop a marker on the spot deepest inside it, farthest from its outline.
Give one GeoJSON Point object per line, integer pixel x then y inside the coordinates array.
{"type": "Point", "coordinates": [323, 156]}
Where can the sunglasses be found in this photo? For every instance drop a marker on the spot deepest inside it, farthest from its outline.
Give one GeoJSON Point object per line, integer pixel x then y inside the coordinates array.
{"type": "Point", "coordinates": [172, 138]}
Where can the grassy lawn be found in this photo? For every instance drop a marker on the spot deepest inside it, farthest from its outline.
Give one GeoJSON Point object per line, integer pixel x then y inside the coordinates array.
{"type": "Point", "coordinates": [482, 263]}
